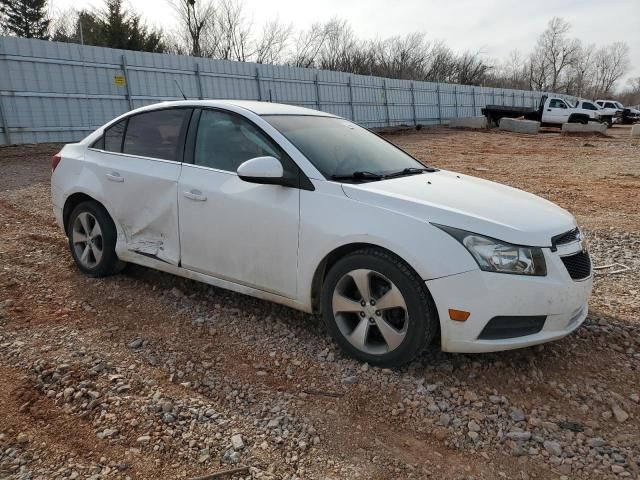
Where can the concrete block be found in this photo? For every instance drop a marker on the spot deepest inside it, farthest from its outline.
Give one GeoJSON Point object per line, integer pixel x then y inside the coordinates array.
{"type": "Point", "coordinates": [519, 126]}
{"type": "Point", "coordinates": [591, 127]}
{"type": "Point", "coordinates": [468, 122]}
{"type": "Point", "coordinates": [635, 130]}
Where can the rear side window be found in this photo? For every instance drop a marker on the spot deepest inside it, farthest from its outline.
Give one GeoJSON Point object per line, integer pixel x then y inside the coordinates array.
{"type": "Point", "coordinates": [156, 134]}
{"type": "Point", "coordinates": [113, 137]}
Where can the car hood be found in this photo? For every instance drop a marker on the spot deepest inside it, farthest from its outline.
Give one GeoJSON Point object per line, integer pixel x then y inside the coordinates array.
{"type": "Point", "coordinates": [468, 203]}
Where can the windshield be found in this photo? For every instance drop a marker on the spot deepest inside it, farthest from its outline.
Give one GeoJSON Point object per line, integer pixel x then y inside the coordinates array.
{"type": "Point", "coordinates": [338, 147]}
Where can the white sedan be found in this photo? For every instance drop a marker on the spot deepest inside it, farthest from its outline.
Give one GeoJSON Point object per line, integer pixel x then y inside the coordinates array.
{"type": "Point", "coordinates": [312, 211]}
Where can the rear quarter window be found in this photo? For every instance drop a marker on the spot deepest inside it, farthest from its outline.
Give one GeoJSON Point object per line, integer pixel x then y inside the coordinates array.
{"type": "Point", "coordinates": [156, 134]}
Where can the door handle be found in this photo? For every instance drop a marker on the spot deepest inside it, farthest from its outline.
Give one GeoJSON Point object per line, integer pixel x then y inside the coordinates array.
{"type": "Point", "coordinates": [195, 195]}
{"type": "Point", "coordinates": [548, 109]}
{"type": "Point", "coordinates": [114, 177]}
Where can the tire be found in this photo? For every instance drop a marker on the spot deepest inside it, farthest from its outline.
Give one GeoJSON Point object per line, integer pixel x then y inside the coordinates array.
{"type": "Point", "coordinates": [579, 119]}
{"type": "Point", "coordinates": [93, 250]}
{"type": "Point", "coordinates": [409, 320]}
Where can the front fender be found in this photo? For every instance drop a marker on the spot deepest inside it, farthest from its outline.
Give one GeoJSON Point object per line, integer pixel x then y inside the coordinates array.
{"type": "Point", "coordinates": [330, 220]}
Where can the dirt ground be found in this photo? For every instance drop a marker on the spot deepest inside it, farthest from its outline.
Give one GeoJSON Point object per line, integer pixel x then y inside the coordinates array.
{"type": "Point", "coordinates": [144, 375]}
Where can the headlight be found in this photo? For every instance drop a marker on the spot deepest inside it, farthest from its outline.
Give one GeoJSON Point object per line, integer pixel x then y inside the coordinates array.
{"type": "Point", "coordinates": [497, 256]}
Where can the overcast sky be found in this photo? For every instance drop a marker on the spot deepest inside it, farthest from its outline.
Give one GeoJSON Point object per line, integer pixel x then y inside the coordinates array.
{"type": "Point", "coordinates": [495, 27]}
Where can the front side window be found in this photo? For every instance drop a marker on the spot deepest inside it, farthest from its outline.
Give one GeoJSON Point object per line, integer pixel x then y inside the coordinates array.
{"type": "Point", "coordinates": [224, 141]}
{"type": "Point", "coordinates": [556, 103]}
{"type": "Point", "coordinates": [156, 134]}
{"type": "Point", "coordinates": [589, 106]}
{"type": "Point", "coordinates": [339, 147]}
{"type": "Point", "coordinates": [609, 105]}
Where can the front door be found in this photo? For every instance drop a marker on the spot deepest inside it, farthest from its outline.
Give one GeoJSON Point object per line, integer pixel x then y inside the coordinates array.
{"type": "Point", "coordinates": [556, 112]}
{"type": "Point", "coordinates": [242, 232]}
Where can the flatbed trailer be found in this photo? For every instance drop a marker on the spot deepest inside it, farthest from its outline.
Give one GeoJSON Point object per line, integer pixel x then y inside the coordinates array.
{"type": "Point", "coordinates": [496, 112]}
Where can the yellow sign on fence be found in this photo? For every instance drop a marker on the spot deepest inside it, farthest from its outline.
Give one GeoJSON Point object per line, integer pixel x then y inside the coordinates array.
{"type": "Point", "coordinates": [119, 80]}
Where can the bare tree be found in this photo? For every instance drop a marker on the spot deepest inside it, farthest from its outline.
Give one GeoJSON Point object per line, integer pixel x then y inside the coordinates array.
{"type": "Point", "coordinates": [233, 32]}
{"type": "Point", "coordinates": [610, 64]}
{"type": "Point", "coordinates": [558, 50]}
{"type": "Point", "coordinates": [580, 72]}
{"type": "Point", "coordinates": [273, 42]}
{"type": "Point", "coordinates": [471, 69]}
{"type": "Point", "coordinates": [196, 21]}
{"type": "Point", "coordinates": [442, 64]}
{"type": "Point", "coordinates": [308, 44]}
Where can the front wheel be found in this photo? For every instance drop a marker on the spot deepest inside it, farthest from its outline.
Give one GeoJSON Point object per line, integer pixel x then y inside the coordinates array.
{"type": "Point", "coordinates": [378, 309]}
{"type": "Point", "coordinates": [92, 240]}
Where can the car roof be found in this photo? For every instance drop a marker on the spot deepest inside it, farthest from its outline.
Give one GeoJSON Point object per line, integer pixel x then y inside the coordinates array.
{"type": "Point", "coordinates": [259, 108]}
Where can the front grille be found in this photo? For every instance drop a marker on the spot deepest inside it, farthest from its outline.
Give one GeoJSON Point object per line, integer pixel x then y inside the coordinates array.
{"type": "Point", "coordinates": [578, 265]}
{"type": "Point", "coordinates": [499, 328]}
{"type": "Point", "coordinates": [567, 237]}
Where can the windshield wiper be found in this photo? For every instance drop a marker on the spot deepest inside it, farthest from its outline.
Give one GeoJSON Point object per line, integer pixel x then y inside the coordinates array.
{"type": "Point", "coordinates": [363, 176]}
{"type": "Point", "coordinates": [410, 171]}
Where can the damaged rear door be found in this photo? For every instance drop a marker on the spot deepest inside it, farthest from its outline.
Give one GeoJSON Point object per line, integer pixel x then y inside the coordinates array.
{"type": "Point", "coordinates": [140, 180]}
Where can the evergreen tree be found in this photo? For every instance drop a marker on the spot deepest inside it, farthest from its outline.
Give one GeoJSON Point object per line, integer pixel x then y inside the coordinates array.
{"type": "Point", "coordinates": [25, 18]}
{"type": "Point", "coordinates": [114, 27]}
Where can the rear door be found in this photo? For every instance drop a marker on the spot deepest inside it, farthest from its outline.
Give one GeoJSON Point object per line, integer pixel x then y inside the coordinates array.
{"type": "Point", "coordinates": [243, 232]}
{"type": "Point", "coordinates": [556, 111]}
{"type": "Point", "coordinates": [138, 162]}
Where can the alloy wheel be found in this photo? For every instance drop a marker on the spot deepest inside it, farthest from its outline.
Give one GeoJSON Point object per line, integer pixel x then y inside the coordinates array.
{"type": "Point", "coordinates": [87, 240]}
{"type": "Point", "coordinates": [370, 311]}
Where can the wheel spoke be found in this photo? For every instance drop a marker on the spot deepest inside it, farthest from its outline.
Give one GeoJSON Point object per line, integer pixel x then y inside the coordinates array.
{"type": "Point", "coordinates": [361, 279]}
{"type": "Point", "coordinates": [392, 337]}
{"type": "Point", "coordinates": [79, 237]}
{"type": "Point", "coordinates": [342, 304]}
{"type": "Point", "coordinates": [84, 221]}
{"type": "Point", "coordinates": [358, 337]}
{"type": "Point", "coordinates": [85, 254]}
{"type": "Point", "coordinates": [97, 253]}
{"type": "Point", "coordinates": [95, 231]}
{"type": "Point", "coordinates": [392, 299]}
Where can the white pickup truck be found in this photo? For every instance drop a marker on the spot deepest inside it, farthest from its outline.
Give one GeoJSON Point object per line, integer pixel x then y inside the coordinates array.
{"type": "Point", "coordinates": [551, 111]}
{"type": "Point", "coordinates": [623, 114]}
{"type": "Point", "coordinates": [598, 113]}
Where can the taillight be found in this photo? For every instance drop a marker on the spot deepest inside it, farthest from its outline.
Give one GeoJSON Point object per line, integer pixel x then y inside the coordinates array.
{"type": "Point", "coordinates": [55, 160]}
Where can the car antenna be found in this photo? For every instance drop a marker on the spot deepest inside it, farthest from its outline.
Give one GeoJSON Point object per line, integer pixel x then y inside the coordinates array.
{"type": "Point", "coordinates": [178, 85]}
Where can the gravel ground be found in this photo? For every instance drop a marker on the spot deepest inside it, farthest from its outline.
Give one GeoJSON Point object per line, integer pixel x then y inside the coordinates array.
{"type": "Point", "coordinates": [144, 375]}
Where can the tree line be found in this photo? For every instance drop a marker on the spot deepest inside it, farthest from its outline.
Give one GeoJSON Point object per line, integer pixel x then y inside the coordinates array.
{"type": "Point", "coordinates": [223, 29]}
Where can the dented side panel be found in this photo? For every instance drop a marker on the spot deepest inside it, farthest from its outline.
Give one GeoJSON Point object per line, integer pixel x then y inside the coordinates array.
{"type": "Point", "coordinates": [141, 195]}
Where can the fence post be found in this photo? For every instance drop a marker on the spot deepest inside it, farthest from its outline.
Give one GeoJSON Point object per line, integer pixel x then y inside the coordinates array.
{"type": "Point", "coordinates": [513, 99]}
{"type": "Point", "coordinates": [126, 82]}
{"type": "Point", "coordinates": [455, 99]}
{"type": "Point", "coordinates": [386, 101]}
{"type": "Point", "coordinates": [317, 92]}
{"type": "Point", "coordinates": [5, 123]}
{"type": "Point", "coordinates": [353, 114]}
{"type": "Point", "coordinates": [199, 81]}
{"type": "Point", "coordinates": [523, 99]}
{"type": "Point", "coordinates": [473, 100]}
{"type": "Point", "coordinates": [413, 105]}
{"type": "Point", "coordinates": [258, 83]}
{"type": "Point", "coordinates": [439, 107]}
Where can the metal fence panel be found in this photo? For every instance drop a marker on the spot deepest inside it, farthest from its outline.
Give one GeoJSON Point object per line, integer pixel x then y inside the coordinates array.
{"type": "Point", "coordinates": [60, 92]}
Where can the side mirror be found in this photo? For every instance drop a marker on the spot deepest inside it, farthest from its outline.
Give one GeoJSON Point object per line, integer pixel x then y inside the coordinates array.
{"type": "Point", "coordinates": [265, 170]}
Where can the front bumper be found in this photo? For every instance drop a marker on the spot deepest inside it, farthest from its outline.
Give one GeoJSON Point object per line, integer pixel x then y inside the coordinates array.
{"type": "Point", "coordinates": [487, 295]}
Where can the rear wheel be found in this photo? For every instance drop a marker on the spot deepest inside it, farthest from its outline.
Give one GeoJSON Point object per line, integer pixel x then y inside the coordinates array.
{"type": "Point", "coordinates": [92, 240]}
{"type": "Point", "coordinates": [377, 308]}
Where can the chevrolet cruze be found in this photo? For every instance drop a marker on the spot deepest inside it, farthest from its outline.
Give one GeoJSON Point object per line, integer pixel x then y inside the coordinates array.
{"type": "Point", "coordinates": [310, 210]}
